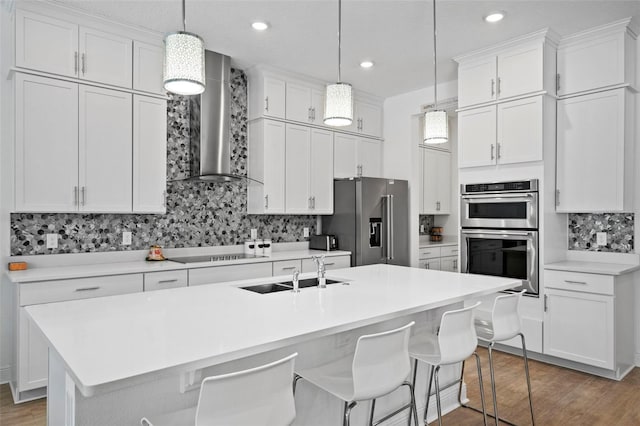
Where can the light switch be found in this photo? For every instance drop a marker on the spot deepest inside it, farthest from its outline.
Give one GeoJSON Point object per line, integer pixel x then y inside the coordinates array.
{"type": "Point", "coordinates": [126, 238]}
{"type": "Point", "coordinates": [52, 241]}
{"type": "Point", "coordinates": [601, 238]}
{"type": "Point", "coordinates": [305, 232]}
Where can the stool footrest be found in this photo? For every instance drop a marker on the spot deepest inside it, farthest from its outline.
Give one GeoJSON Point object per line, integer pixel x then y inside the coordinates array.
{"type": "Point", "coordinates": [488, 414]}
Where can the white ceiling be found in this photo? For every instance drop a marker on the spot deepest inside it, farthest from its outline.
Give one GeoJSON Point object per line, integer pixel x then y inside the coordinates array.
{"type": "Point", "coordinates": [395, 34]}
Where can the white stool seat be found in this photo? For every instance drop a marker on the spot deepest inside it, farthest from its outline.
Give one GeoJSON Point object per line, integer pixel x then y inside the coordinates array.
{"type": "Point", "coordinates": [258, 396]}
{"type": "Point", "coordinates": [379, 365]}
{"type": "Point", "coordinates": [484, 329]}
{"type": "Point", "coordinates": [426, 349]}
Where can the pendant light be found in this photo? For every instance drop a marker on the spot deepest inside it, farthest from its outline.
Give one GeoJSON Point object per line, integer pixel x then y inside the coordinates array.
{"type": "Point", "coordinates": [338, 107]}
{"type": "Point", "coordinates": [436, 126]}
{"type": "Point", "coordinates": [184, 61]}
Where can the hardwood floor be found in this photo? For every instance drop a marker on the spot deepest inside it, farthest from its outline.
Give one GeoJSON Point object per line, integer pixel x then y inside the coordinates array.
{"type": "Point", "coordinates": [560, 397]}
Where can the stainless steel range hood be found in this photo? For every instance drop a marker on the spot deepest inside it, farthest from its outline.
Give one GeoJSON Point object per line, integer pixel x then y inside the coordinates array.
{"type": "Point", "coordinates": [210, 138]}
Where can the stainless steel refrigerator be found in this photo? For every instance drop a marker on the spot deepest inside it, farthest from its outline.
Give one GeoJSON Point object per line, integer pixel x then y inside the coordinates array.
{"type": "Point", "coordinates": [371, 219]}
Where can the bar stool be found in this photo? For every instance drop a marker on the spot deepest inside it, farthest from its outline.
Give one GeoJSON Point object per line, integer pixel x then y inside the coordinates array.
{"type": "Point", "coordinates": [379, 366]}
{"type": "Point", "coordinates": [456, 341]}
{"type": "Point", "coordinates": [259, 396]}
{"type": "Point", "coordinates": [504, 325]}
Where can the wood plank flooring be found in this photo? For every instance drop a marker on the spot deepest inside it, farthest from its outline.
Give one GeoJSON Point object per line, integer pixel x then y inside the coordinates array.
{"type": "Point", "coordinates": [560, 396]}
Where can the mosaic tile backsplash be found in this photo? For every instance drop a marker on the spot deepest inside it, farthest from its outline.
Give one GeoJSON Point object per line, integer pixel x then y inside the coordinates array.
{"type": "Point", "coordinates": [618, 226]}
{"type": "Point", "coordinates": [427, 220]}
{"type": "Point", "coordinates": [199, 214]}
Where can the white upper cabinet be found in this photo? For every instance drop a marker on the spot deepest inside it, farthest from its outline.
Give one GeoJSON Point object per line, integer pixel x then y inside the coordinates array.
{"type": "Point", "coordinates": [46, 162]}
{"type": "Point", "coordinates": [521, 67]}
{"type": "Point", "coordinates": [356, 156]}
{"type": "Point", "coordinates": [267, 165]}
{"type": "Point", "coordinates": [304, 103]}
{"type": "Point", "coordinates": [602, 57]}
{"type": "Point", "coordinates": [477, 137]}
{"type": "Point", "coordinates": [90, 49]}
{"type": "Point", "coordinates": [106, 58]}
{"type": "Point", "coordinates": [321, 171]}
{"type": "Point", "coordinates": [368, 118]}
{"type": "Point", "coordinates": [147, 67]}
{"type": "Point", "coordinates": [595, 152]}
{"type": "Point", "coordinates": [435, 197]}
{"type": "Point", "coordinates": [149, 154]}
{"type": "Point", "coordinates": [370, 157]}
{"type": "Point", "coordinates": [267, 95]}
{"type": "Point", "coordinates": [105, 141]}
{"type": "Point", "coordinates": [46, 44]}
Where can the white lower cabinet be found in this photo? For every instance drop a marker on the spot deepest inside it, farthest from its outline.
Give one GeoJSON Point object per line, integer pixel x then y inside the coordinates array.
{"type": "Point", "coordinates": [286, 267]}
{"type": "Point", "coordinates": [449, 263]}
{"type": "Point", "coordinates": [31, 347]}
{"type": "Point", "coordinates": [218, 274]}
{"type": "Point", "coordinates": [586, 319]}
{"type": "Point", "coordinates": [439, 258]}
{"type": "Point", "coordinates": [165, 280]}
{"type": "Point", "coordinates": [330, 263]}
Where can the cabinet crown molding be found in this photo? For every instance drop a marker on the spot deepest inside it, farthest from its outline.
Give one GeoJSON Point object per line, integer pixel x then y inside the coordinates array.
{"type": "Point", "coordinates": [545, 35]}
{"type": "Point", "coordinates": [627, 25]}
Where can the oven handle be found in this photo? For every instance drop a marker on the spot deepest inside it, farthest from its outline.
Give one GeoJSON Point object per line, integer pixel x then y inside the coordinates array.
{"type": "Point", "coordinates": [489, 232]}
{"type": "Point", "coordinates": [498, 196]}
{"type": "Point", "coordinates": [505, 198]}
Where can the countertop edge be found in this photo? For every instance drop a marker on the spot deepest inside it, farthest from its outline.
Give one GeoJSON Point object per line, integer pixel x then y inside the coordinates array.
{"type": "Point", "coordinates": [601, 268]}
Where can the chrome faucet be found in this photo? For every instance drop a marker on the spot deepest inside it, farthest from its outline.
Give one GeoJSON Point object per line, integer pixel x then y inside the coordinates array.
{"type": "Point", "coordinates": [296, 285]}
{"type": "Point", "coordinates": [319, 261]}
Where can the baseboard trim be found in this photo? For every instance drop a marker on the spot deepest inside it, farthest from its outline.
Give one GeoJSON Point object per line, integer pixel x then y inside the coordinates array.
{"type": "Point", "coordinates": [636, 360]}
{"type": "Point", "coordinates": [5, 374]}
{"type": "Point", "coordinates": [448, 400]}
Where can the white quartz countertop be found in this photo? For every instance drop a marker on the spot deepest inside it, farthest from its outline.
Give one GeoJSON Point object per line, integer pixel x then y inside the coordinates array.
{"type": "Point", "coordinates": [446, 241]}
{"type": "Point", "coordinates": [108, 341]}
{"type": "Point", "coordinates": [592, 267]}
{"type": "Point", "coordinates": [119, 268]}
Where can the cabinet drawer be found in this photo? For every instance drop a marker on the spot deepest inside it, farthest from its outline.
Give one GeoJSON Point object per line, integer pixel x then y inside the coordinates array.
{"type": "Point", "coordinates": [449, 251]}
{"type": "Point", "coordinates": [577, 281]}
{"type": "Point", "coordinates": [219, 274]}
{"type": "Point", "coordinates": [165, 279]}
{"type": "Point", "coordinates": [80, 288]}
{"type": "Point", "coordinates": [330, 263]}
{"type": "Point", "coordinates": [286, 267]}
{"type": "Point", "coordinates": [433, 264]}
{"type": "Point", "coordinates": [429, 253]}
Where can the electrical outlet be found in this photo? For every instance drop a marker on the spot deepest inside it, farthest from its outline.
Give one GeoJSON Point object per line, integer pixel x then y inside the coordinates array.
{"type": "Point", "coordinates": [52, 241]}
{"type": "Point", "coordinates": [305, 232]}
{"type": "Point", "coordinates": [601, 238]}
{"type": "Point", "coordinates": [126, 238]}
{"type": "Point", "coordinates": [422, 229]}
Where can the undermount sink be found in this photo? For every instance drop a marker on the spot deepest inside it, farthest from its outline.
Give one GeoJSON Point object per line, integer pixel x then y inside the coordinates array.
{"type": "Point", "coordinates": [287, 285]}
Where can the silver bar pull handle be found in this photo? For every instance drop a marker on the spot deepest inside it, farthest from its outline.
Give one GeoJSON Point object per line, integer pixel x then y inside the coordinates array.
{"type": "Point", "coordinates": [168, 281]}
{"type": "Point", "coordinates": [313, 202]}
{"type": "Point", "coordinates": [266, 104]}
{"type": "Point", "coordinates": [390, 248]}
{"type": "Point", "coordinates": [557, 82]}
{"type": "Point", "coordinates": [266, 201]}
{"type": "Point", "coordinates": [84, 64]}
{"type": "Point", "coordinates": [87, 289]}
{"type": "Point", "coordinates": [84, 195]}
{"type": "Point", "coordinates": [498, 89]}
{"type": "Point", "coordinates": [546, 305]}
{"type": "Point", "coordinates": [288, 268]}
{"type": "Point", "coordinates": [575, 282]}
{"type": "Point", "coordinates": [492, 148]}
{"type": "Point", "coordinates": [493, 88]}
{"type": "Point", "coordinates": [75, 62]}
{"type": "Point", "coordinates": [498, 150]}
{"type": "Point", "coordinates": [329, 264]}
{"type": "Point", "coordinates": [309, 114]}
{"type": "Point", "coordinates": [313, 113]}
{"type": "Point", "coordinates": [75, 195]}
{"type": "Point", "coordinates": [309, 203]}
{"type": "Point", "coordinates": [455, 264]}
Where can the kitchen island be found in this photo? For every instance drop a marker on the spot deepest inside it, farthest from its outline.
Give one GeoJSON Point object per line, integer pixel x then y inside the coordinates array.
{"type": "Point", "coordinates": [114, 359]}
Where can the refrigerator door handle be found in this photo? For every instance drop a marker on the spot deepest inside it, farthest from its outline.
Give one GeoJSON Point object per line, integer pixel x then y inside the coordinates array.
{"type": "Point", "coordinates": [388, 204]}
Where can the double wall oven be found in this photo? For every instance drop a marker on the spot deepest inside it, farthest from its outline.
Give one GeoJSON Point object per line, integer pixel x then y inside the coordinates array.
{"type": "Point", "coordinates": [499, 231]}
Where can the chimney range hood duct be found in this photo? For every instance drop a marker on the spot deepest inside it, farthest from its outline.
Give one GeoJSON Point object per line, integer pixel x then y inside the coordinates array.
{"type": "Point", "coordinates": [210, 139]}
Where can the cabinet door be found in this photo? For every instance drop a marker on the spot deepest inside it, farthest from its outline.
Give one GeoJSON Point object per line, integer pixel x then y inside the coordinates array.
{"type": "Point", "coordinates": [590, 150]}
{"type": "Point", "coordinates": [592, 64]}
{"type": "Point", "coordinates": [165, 280]}
{"type": "Point", "coordinates": [433, 264]}
{"type": "Point", "coordinates": [105, 58]}
{"type": "Point", "coordinates": [274, 166]}
{"type": "Point", "coordinates": [317, 106]}
{"type": "Point", "coordinates": [298, 103]}
{"type": "Point", "coordinates": [370, 117]}
{"type": "Point", "coordinates": [370, 157]}
{"type": "Point", "coordinates": [33, 361]}
{"type": "Point", "coordinates": [105, 149]}
{"type": "Point", "coordinates": [443, 171]}
{"type": "Point", "coordinates": [429, 181]}
{"type": "Point", "coordinates": [46, 44]}
{"type": "Point", "coordinates": [46, 144]}
{"type": "Point", "coordinates": [345, 159]}
{"type": "Point", "coordinates": [520, 131]}
{"type": "Point", "coordinates": [520, 71]}
{"type": "Point", "coordinates": [321, 171]}
{"type": "Point", "coordinates": [147, 67]}
{"type": "Point", "coordinates": [449, 264]}
{"type": "Point", "coordinates": [477, 137]}
{"type": "Point", "coordinates": [274, 97]}
{"type": "Point", "coordinates": [149, 154]}
{"type": "Point", "coordinates": [579, 327]}
{"type": "Point", "coordinates": [477, 82]}
{"type": "Point", "coordinates": [297, 160]}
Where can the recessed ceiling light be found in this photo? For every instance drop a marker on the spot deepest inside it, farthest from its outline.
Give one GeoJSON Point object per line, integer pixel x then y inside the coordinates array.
{"type": "Point", "coordinates": [366, 64]}
{"type": "Point", "coordinates": [259, 26]}
{"type": "Point", "coordinates": [494, 16]}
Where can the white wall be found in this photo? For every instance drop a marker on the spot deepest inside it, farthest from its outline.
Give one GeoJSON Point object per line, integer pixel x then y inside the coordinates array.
{"type": "Point", "coordinates": [6, 183]}
{"type": "Point", "coordinates": [401, 159]}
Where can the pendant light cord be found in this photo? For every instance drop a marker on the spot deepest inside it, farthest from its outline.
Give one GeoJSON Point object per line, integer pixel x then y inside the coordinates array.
{"type": "Point", "coordinates": [435, 61]}
{"type": "Point", "coordinates": [184, 17]}
{"type": "Point", "coordinates": [339, 40]}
